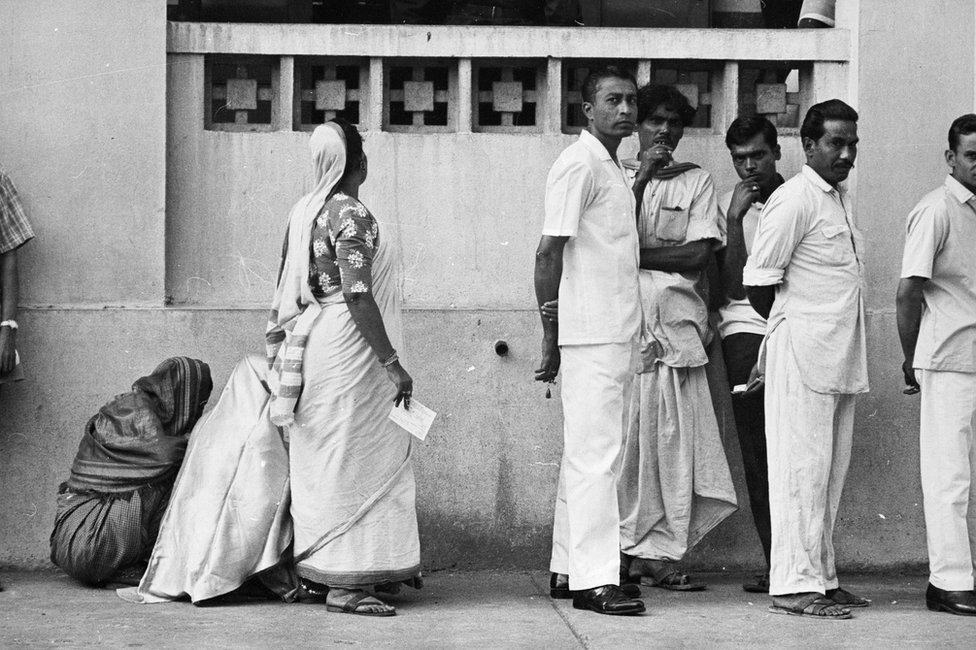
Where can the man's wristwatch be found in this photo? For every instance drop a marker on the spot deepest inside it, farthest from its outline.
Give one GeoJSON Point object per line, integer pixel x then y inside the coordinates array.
{"type": "Point", "coordinates": [12, 324]}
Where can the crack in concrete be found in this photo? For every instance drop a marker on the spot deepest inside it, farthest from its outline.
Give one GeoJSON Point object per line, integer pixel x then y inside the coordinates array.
{"type": "Point", "coordinates": [544, 590]}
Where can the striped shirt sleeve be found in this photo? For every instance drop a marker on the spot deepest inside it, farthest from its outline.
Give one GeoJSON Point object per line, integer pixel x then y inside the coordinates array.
{"type": "Point", "coordinates": [15, 230]}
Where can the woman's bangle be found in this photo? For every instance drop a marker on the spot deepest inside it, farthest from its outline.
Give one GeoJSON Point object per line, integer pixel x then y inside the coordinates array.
{"type": "Point", "coordinates": [393, 358]}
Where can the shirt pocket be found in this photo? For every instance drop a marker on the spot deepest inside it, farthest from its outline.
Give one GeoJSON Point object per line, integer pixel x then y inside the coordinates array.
{"type": "Point", "coordinates": [836, 247]}
{"type": "Point", "coordinates": [672, 224]}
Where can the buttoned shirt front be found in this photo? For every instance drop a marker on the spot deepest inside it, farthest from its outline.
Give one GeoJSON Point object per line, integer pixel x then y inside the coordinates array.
{"type": "Point", "coordinates": [589, 200]}
{"type": "Point", "coordinates": [676, 211]}
{"type": "Point", "coordinates": [808, 246]}
{"type": "Point", "coordinates": [738, 316]}
{"type": "Point", "coordinates": [15, 230]}
{"type": "Point", "coordinates": [939, 245]}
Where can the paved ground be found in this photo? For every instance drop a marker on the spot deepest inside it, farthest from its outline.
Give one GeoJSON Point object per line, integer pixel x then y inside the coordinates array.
{"type": "Point", "coordinates": [497, 609]}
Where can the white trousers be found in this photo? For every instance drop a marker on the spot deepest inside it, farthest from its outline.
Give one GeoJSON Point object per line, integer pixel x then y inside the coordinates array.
{"type": "Point", "coordinates": [948, 464]}
{"type": "Point", "coordinates": [808, 446]}
{"type": "Point", "coordinates": [596, 386]}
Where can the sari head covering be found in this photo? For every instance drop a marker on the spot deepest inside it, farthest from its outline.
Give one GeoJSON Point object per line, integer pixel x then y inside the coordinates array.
{"type": "Point", "coordinates": [294, 308]}
{"type": "Point", "coordinates": [141, 436]}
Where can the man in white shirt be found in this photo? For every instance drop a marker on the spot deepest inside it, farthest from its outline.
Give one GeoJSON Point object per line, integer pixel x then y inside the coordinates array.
{"type": "Point", "coordinates": [675, 483]}
{"type": "Point", "coordinates": [937, 325]}
{"type": "Point", "coordinates": [806, 276]}
{"type": "Point", "coordinates": [587, 259]}
{"type": "Point", "coordinates": [752, 142]}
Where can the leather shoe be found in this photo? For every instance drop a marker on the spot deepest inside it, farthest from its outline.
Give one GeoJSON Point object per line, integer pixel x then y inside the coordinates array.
{"type": "Point", "coordinates": [962, 603]}
{"type": "Point", "coordinates": [608, 599]}
{"type": "Point", "coordinates": [559, 587]}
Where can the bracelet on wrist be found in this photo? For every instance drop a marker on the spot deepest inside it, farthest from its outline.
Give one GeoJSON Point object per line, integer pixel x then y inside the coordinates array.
{"type": "Point", "coordinates": [393, 358]}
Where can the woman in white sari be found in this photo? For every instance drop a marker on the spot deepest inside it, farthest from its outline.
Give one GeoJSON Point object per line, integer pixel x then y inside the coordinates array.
{"type": "Point", "coordinates": [345, 452]}
{"type": "Point", "coordinates": [331, 333]}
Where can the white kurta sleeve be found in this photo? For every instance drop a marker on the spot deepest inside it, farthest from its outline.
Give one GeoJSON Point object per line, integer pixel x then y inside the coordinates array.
{"type": "Point", "coordinates": [782, 225]}
{"type": "Point", "coordinates": [926, 230]}
{"type": "Point", "coordinates": [568, 191]}
{"type": "Point", "coordinates": [704, 218]}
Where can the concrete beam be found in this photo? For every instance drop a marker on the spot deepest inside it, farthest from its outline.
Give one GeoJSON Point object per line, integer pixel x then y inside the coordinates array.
{"type": "Point", "coordinates": [509, 42]}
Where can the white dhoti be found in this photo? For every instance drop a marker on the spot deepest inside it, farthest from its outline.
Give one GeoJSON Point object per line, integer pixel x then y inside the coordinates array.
{"type": "Point", "coordinates": [675, 483]}
{"type": "Point", "coordinates": [948, 464]}
{"type": "Point", "coordinates": [597, 381]}
{"type": "Point", "coordinates": [808, 444]}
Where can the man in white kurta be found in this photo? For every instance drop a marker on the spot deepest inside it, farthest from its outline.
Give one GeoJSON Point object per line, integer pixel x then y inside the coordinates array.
{"type": "Point", "coordinates": [675, 484]}
{"type": "Point", "coordinates": [937, 324]}
{"type": "Point", "coordinates": [588, 258]}
{"type": "Point", "coordinates": [808, 248]}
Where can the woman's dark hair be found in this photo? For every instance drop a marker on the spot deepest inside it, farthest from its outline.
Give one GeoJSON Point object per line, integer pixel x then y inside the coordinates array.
{"type": "Point", "coordinates": [745, 128]}
{"type": "Point", "coordinates": [963, 125]}
{"type": "Point", "coordinates": [832, 109]}
{"type": "Point", "coordinates": [354, 145]}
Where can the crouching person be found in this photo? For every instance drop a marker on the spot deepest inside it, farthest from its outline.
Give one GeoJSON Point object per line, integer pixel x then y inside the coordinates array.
{"type": "Point", "coordinates": [110, 507]}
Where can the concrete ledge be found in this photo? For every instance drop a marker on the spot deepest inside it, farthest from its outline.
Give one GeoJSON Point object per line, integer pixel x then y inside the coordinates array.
{"type": "Point", "coordinates": [509, 42]}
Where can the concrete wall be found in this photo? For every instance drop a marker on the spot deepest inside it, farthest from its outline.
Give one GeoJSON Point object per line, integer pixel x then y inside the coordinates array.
{"type": "Point", "coordinates": [467, 211]}
{"type": "Point", "coordinates": [82, 135]}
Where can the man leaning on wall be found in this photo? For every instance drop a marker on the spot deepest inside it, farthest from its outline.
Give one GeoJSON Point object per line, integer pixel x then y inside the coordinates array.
{"type": "Point", "coordinates": [937, 325]}
{"type": "Point", "coordinates": [753, 145]}
{"type": "Point", "coordinates": [805, 275]}
{"type": "Point", "coordinates": [15, 231]}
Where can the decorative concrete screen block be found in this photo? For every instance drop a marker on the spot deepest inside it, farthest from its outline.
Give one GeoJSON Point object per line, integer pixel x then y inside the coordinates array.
{"type": "Point", "coordinates": [239, 92]}
{"type": "Point", "coordinates": [242, 94]}
{"type": "Point", "coordinates": [770, 98]}
{"type": "Point", "coordinates": [420, 95]}
{"type": "Point", "coordinates": [505, 95]}
{"type": "Point", "coordinates": [774, 90]}
{"type": "Point", "coordinates": [329, 87]}
{"type": "Point", "coordinates": [330, 95]}
{"type": "Point", "coordinates": [693, 80]}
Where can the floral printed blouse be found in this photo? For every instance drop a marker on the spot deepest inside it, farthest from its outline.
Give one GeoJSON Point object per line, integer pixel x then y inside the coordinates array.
{"type": "Point", "coordinates": [344, 240]}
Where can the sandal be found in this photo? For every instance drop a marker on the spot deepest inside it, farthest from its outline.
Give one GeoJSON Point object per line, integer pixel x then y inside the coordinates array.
{"type": "Point", "coordinates": [811, 605]}
{"type": "Point", "coordinates": [759, 584]}
{"type": "Point", "coordinates": [663, 574]}
{"type": "Point", "coordinates": [359, 599]}
{"type": "Point", "coordinates": [845, 598]}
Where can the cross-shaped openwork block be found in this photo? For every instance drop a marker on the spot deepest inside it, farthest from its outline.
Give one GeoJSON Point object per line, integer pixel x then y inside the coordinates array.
{"type": "Point", "coordinates": [240, 92]}
{"type": "Point", "coordinates": [775, 90]}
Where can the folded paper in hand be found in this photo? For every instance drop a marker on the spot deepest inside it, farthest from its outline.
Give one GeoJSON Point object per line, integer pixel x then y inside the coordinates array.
{"type": "Point", "coordinates": [416, 421]}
